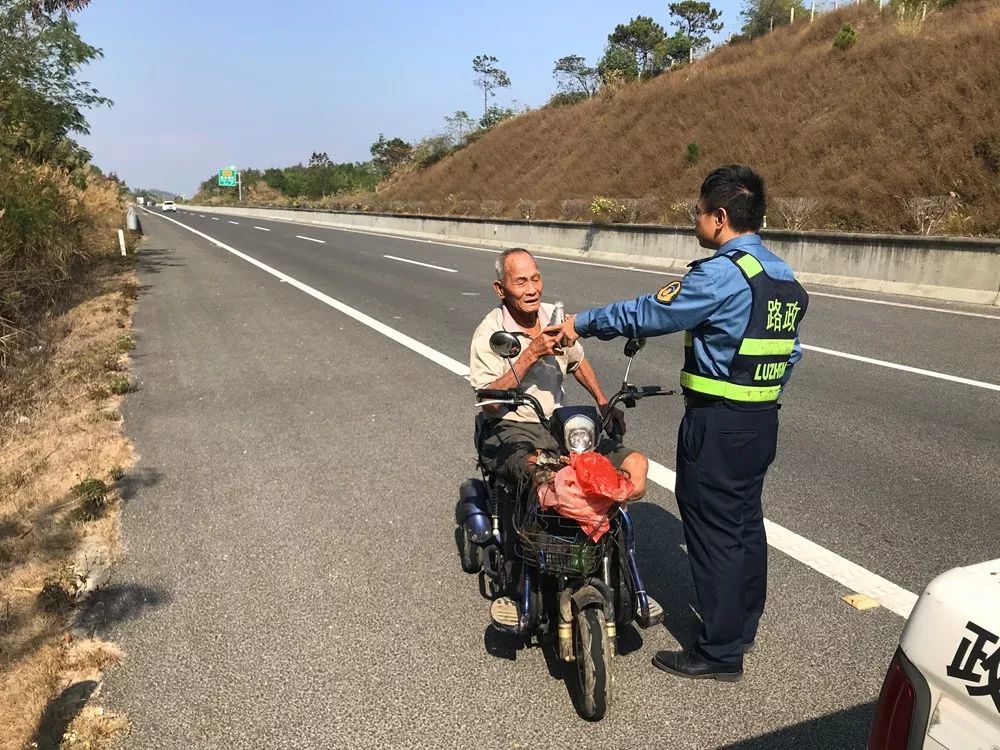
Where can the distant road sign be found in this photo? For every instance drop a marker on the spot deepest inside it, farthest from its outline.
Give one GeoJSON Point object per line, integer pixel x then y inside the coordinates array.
{"type": "Point", "coordinates": [227, 177]}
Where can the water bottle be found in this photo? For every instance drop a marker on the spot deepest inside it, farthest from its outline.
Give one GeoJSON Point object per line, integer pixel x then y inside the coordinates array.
{"type": "Point", "coordinates": [557, 319]}
{"type": "Point", "coordinates": [558, 314]}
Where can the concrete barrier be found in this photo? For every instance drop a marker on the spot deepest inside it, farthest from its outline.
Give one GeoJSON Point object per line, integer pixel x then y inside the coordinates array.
{"type": "Point", "coordinates": [947, 268]}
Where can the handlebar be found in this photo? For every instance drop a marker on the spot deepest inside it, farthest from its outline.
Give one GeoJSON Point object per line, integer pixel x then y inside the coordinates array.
{"type": "Point", "coordinates": [513, 397]}
{"type": "Point", "coordinates": [630, 394]}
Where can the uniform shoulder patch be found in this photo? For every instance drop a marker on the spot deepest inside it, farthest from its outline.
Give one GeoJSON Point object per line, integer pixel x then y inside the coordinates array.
{"type": "Point", "coordinates": [667, 294]}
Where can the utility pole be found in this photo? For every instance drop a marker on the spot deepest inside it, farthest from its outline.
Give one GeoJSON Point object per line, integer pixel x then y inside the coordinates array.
{"type": "Point", "coordinates": [812, 12]}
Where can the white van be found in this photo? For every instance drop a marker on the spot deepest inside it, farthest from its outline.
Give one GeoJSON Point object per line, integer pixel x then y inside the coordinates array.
{"type": "Point", "coordinates": [942, 690]}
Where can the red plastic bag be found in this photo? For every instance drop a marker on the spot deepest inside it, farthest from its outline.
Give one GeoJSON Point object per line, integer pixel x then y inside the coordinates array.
{"type": "Point", "coordinates": [586, 491]}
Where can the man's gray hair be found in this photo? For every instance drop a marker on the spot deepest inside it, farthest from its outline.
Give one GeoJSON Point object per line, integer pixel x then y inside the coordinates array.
{"type": "Point", "coordinates": [501, 264]}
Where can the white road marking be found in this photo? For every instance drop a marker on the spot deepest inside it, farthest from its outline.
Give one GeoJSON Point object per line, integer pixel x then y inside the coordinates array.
{"type": "Point", "coordinates": [201, 216]}
{"type": "Point", "coordinates": [418, 263]}
{"type": "Point", "coordinates": [215, 218]}
{"type": "Point", "coordinates": [904, 368]}
{"type": "Point", "coordinates": [889, 595]}
{"type": "Point", "coordinates": [233, 222]}
{"type": "Point", "coordinates": [263, 229]}
{"type": "Point", "coordinates": [311, 239]}
{"type": "Point", "coordinates": [904, 304]}
{"type": "Point", "coordinates": [925, 308]}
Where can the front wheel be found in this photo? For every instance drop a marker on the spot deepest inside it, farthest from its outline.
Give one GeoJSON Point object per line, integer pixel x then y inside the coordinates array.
{"type": "Point", "coordinates": [592, 651]}
{"type": "Point", "coordinates": [470, 554]}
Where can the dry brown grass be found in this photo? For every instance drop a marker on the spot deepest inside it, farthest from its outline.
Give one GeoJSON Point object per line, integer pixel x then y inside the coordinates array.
{"type": "Point", "coordinates": [910, 111]}
{"type": "Point", "coordinates": [60, 444]}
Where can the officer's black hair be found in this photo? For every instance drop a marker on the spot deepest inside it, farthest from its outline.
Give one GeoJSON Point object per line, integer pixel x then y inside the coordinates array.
{"type": "Point", "coordinates": [740, 191]}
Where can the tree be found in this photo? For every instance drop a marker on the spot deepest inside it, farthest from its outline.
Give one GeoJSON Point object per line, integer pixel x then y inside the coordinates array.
{"type": "Point", "coordinates": [758, 15]}
{"type": "Point", "coordinates": [489, 77]}
{"type": "Point", "coordinates": [319, 159]}
{"type": "Point", "coordinates": [41, 98]}
{"type": "Point", "coordinates": [494, 115]}
{"type": "Point", "coordinates": [695, 19]}
{"type": "Point", "coordinates": [672, 50]}
{"type": "Point", "coordinates": [387, 154]}
{"type": "Point", "coordinates": [640, 36]}
{"type": "Point", "coordinates": [618, 63]}
{"type": "Point", "coordinates": [459, 125]}
{"type": "Point", "coordinates": [573, 75]}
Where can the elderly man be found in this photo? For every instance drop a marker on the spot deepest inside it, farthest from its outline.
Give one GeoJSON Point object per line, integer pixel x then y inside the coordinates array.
{"type": "Point", "coordinates": [515, 436]}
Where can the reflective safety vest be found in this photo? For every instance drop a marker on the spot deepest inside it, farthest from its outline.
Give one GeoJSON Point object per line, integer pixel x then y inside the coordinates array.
{"type": "Point", "coordinates": [762, 354]}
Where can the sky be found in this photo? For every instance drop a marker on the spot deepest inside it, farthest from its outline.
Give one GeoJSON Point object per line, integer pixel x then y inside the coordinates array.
{"type": "Point", "coordinates": [202, 84]}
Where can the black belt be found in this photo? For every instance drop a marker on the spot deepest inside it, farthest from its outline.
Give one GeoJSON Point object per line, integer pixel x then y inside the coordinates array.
{"type": "Point", "coordinates": [698, 401]}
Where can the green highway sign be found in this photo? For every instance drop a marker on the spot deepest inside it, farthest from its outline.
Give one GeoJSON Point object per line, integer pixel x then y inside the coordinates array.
{"type": "Point", "coordinates": [227, 177]}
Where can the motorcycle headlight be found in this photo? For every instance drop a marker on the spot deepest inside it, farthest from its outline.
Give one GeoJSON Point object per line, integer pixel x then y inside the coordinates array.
{"type": "Point", "coordinates": [579, 433]}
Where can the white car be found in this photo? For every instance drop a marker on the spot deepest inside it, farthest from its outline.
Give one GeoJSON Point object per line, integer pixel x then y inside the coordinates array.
{"type": "Point", "coordinates": [168, 206]}
{"type": "Point", "coordinates": [942, 690]}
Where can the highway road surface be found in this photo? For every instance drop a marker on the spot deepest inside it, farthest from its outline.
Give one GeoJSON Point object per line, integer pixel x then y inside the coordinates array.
{"type": "Point", "coordinates": [303, 425]}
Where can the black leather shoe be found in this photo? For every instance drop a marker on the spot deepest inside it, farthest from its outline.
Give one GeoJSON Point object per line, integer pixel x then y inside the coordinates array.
{"type": "Point", "coordinates": [687, 664]}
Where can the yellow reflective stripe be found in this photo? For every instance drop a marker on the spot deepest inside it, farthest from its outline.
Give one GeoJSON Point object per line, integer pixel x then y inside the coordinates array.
{"type": "Point", "coordinates": [766, 347]}
{"type": "Point", "coordinates": [750, 265]}
{"type": "Point", "coordinates": [688, 339]}
{"type": "Point", "coordinates": [731, 391]}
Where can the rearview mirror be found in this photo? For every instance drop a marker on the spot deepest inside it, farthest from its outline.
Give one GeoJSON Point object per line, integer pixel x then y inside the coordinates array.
{"type": "Point", "coordinates": [632, 346]}
{"type": "Point", "coordinates": [505, 344]}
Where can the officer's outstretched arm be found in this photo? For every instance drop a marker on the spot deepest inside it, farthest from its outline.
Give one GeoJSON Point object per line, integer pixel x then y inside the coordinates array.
{"type": "Point", "coordinates": [678, 306]}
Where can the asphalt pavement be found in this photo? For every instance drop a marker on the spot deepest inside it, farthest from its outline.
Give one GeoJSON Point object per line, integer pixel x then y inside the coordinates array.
{"type": "Point", "coordinates": [291, 578]}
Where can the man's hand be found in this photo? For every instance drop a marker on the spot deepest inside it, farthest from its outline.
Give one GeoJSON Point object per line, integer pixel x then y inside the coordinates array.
{"type": "Point", "coordinates": [617, 418]}
{"type": "Point", "coordinates": [568, 334]}
{"type": "Point", "coordinates": [544, 344]}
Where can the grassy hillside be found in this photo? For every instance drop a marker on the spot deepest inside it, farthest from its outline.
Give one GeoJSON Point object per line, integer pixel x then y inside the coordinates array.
{"type": "Point", "coordinates": [873, 138]}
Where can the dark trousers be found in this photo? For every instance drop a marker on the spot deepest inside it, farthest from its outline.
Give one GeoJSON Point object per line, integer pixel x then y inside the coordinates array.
{"type": "Point", "coordinates": [723, 452]}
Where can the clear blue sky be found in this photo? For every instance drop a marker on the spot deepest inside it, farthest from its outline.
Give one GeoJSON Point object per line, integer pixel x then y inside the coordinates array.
{"type": "Point", "coordinates": [200, 84]}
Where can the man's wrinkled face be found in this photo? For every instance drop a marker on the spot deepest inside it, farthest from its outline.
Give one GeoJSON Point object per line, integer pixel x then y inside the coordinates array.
{"type": "Point", "coordinates": [521, 289]}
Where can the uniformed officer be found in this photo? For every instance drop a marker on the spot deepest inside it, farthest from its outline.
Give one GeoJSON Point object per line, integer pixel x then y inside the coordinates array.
{"type": "Point", "coordinates": [741, 310]}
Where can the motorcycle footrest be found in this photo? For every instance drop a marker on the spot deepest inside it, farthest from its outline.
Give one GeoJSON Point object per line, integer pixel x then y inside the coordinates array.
{"type": "Point", "coordinates": [504, 614]}
{"type": "Point", "coordinates": [655, 614]}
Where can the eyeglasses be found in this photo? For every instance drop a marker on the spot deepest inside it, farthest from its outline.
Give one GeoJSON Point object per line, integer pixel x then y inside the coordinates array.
{"type": "Point", "coordinates": [696, 212]}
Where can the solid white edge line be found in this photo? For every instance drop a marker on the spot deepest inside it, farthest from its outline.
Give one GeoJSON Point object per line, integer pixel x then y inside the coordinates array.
{"type": "Point", "coordinates": [263, 229]}
{"type": "Point", "coordinates": [904, 304]}
{"type": "Point", "coordinates": [850, 575]}
{"type": "Point", "coordinates": [311, 239]}
{"type": "Point", "coordinates": [419, 263]}
{"type": "Point", "coordinates": [904, 368]}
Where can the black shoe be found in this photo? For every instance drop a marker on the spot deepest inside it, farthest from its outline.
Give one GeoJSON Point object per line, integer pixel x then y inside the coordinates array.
{"type": "Point", "coordinates": [687, 664]}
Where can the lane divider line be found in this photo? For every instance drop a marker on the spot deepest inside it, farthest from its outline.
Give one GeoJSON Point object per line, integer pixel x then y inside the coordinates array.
{"type": "Point", "coordinates": [848, 574]}
{"type": "Point", "coordinates": [263, 229]}
{"type": "Point", "coordinates": [418, 263]}
{"type": "Point", "coordinates": [311, 239]}
{"type": "Point", "coordinates": [233, 222]}
{"type": "Point", "coordinates": [904, 304]}
{"type": "Point", "coordinates": [904, 368]}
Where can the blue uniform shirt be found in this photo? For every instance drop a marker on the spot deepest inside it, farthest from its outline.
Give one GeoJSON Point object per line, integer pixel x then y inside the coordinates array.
{"type": "Point", "coordinates": [714, 302]}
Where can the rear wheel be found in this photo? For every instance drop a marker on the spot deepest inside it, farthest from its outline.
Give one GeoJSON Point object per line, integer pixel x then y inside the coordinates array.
{"type": "Point", "coordinates": [470, 554]}
{"type": "Point", "coordinates": [593, 663]}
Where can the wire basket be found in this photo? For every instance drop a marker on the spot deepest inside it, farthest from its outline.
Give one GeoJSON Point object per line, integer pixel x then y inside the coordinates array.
{"type": "Point", "coordinates": [555, 544]}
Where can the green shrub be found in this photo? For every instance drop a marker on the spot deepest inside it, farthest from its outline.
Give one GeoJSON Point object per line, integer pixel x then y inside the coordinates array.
{"type": "Point", "coordinates": [847, 37]}
{"type": "Point", "coordinates": [693, 152]}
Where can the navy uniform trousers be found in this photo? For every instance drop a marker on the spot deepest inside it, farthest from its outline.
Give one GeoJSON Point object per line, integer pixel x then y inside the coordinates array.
{"type": "Point", "coordinates": [723, 451]}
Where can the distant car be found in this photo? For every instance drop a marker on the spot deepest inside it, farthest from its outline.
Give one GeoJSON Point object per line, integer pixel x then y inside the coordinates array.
{"type": "Point", "coordinates": [169, 206]}
{"type": "Point", "coordinates": [942, 689]}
